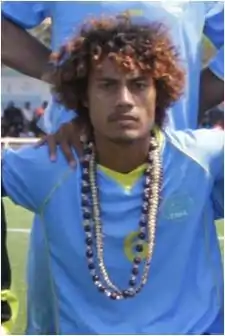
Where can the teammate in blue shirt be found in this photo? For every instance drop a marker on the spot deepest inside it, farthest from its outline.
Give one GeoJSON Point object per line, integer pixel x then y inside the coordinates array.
{"type": "Point", "coordinates": [186, 21]}
{"type": "Point", "coordinates": [130, 236]}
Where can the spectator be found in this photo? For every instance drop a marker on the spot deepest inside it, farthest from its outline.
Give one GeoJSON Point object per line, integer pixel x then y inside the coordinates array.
{"type": "Point", "coordinates": [40, 110]}
{"type": "Point", "coordinates": [28, 113]}
{"type": "Point", "coordinates": [13, 115]}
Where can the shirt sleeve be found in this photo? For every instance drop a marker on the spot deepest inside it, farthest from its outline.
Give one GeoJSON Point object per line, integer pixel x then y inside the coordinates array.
{"type": "Point", "coordinates": [27, 14]}
{"type": "Point", "coordinates": [210, 150]}
{"type": "Point", "coordinates": [55, 115]}
{"type": "Point", "coordinates": [26, 176]}
{"type": "Point", "coordinates": [214, 30]}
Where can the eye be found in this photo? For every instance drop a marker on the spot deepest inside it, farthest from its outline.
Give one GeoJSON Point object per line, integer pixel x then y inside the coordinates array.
{"type": "Point", "coordinates": [108, 84]}
{"type": "Point", "coordinates": [141, 85]}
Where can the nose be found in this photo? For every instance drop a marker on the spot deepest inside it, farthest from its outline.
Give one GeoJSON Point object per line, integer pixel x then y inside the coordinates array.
{"type": "Point", "coordinates": [124, 98]}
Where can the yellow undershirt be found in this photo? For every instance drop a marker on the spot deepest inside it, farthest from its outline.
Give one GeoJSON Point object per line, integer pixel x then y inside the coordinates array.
{"type": "Point", "coordinates": [128, 180]}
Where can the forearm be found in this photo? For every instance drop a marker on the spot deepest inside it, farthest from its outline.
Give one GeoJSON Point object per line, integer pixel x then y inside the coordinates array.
{"type": "Point", "coordinates": [211, 91]}
{"type": "Point", "coordinates": [23, 52]}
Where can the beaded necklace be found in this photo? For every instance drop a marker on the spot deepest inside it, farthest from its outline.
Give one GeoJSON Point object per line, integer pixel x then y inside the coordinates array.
{"type": "Point", "coordinates": [93, 226]}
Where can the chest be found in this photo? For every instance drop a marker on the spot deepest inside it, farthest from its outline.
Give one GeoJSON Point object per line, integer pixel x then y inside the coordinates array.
{"type": "Point", "coordinates": [183, 194]}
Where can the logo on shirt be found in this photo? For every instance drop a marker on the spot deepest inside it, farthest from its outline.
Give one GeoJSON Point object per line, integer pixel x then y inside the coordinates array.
{"type": "Point", "coordinates": [177, 207]}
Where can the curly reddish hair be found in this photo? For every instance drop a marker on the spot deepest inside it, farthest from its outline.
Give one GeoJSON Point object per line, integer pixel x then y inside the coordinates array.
{"type": "Point", "coordinates": [147, 47]}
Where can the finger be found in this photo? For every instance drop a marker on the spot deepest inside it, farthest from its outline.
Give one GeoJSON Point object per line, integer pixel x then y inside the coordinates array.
{"type": "Point", "coordinates": [51, 142]}
{"type": "Point", "coordinates": [68, 153]}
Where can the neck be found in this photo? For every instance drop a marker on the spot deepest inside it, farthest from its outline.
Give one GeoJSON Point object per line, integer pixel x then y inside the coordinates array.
{"type": "Point", "coordinates": [122, 158]}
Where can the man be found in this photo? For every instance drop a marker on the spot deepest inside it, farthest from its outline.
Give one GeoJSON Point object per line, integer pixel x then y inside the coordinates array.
{"type": "Point", "coordinates": [121, 77]}
{"type": "Point", "coordinates": [28, 114]}
{"type": "Point", "coordinates": [32, 59]}
{"type": "Point", "coordinates": [13, 118]}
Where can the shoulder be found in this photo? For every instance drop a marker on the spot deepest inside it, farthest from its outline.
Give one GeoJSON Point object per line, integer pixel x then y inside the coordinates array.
{"type": "Point", "coordinates": [29, 160]}
{"type": "Point", "coordinates": [30, 178]}
{"type": "Point", "coordinates": [204, 146]}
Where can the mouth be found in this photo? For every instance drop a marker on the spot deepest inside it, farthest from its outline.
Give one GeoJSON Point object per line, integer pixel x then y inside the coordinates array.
{"type": "Point", "coordinates": [124, 119]}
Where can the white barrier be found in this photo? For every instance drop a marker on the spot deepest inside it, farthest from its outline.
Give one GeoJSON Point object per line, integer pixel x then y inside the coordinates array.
{"type": "Point", "coordinates": [22, 141]}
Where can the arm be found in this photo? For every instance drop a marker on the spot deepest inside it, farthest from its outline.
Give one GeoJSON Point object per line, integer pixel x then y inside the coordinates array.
{"type": "Point", "coordinates": [31, 58]}
{"type": "Point", "coordinates": [212, 77]}
{"type": "Point", "coordinates": [23, 177]}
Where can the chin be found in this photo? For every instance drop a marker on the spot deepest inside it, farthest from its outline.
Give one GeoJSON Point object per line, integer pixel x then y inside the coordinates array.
{"type": "Point", "coordinates": [126, 137]}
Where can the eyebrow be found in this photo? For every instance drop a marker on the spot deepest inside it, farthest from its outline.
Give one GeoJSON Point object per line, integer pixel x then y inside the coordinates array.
{"type": "Point", "coordinates": [111, 79]}
{"type": "Point", "coordinates": [107, 79]}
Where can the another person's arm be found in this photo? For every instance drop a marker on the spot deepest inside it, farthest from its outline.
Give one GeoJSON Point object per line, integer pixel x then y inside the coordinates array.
{"type": "Point", "coordinates": [212, 77]}
{"type": "Point", "coordinates": [21, 58]}
{"type": "Point", "coordinates": [29, 56]}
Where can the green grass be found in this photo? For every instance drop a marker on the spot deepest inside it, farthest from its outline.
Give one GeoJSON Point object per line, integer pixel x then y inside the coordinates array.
{"type": "Point", "coordinates": [18, 244]}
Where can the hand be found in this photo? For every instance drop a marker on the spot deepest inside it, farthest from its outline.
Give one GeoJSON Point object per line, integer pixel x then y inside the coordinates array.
{"type": "Point", "coordinates": [67, 137]}
{"type": "Point", "coordinates": [211, 92]}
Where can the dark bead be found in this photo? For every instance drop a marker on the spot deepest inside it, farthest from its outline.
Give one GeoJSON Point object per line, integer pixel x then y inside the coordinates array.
{"type": "Point", "coordinates": [143, 222]}
{"type": "Point", "coordinates": [91, 266]}
{"type": "Point", "coordinates": [85, 171]}
{"type": "Point", "coordinates": [135, 270]}
{"type": "Point", "coordinates": [86, 214]}
{"type": "Point", "coordinates": [137, 260]}
{"type": "Point", "coordinates": [141, 235]}
{"type": "Point", "coordinates": [132, 282]}
{"type": "Point", "coordinates": [147, 171]}
{"type": "Point", "coordinates": [88, 241]}
{"type": "Point", "coordinates": [95, 278]}
{"type": "Point", "coordinates": [113, 296]}
{"type": "Point", "coordinates": [87, 228]}
{"type": "Point", "coordinates": [85, 178]}
{"type": "Point", "coordinates": [88, 148]}
{"type": "Point", "coordinates": [85, 174]}
{"type": "Point", "coordinates": [84, 202]}
{"type": "Point", "coordinates": [154, 146]}
{"type": "Point", "coordinates": [85, 188]}
{"type": "Point", "coordinates": [128, 293]}
{"type": "Point", "coordinates": [125, 293]}
{"type": "Point", "coordinates": [139, 247]}
{"type": "Point", "coordinates": [89, 253]}
{"type": "Point", "coordinates": [101, 288]}
{"type": "Point", "coordinates": [145, 208]}
{"type": "Point", "coordinates": [85, 162]}
{"type": "Point", "coordinates": [150, 161]}
{"type": "Point", "coordinates": [146, 195]}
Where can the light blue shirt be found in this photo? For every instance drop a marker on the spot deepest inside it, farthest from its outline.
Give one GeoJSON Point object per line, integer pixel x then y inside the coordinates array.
{"type": "Point", "coordinates": [184, 291]}
{"type": "Point", "coordinates": [186, 22]}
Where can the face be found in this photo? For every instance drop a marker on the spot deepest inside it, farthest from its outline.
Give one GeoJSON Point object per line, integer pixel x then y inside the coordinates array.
{"type": "Point", "coordinates": [121, 105]}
